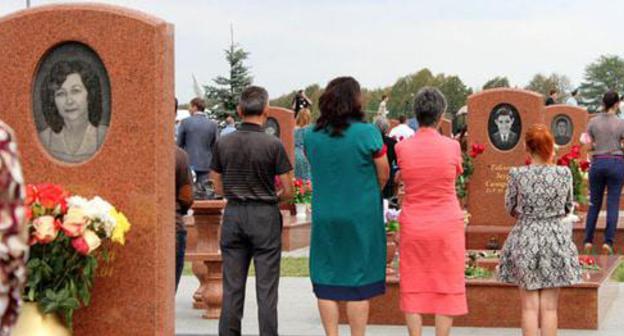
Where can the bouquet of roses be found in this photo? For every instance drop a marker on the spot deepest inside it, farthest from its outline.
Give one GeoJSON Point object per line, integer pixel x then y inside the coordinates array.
{"type": "Point", "coordinates": [461, 184]}
{"type": "Point", "coordinates": [303, 192]}
{"type": "Point", "coordinates": [68, 235]}
{"type": "Point", "coordinates": [579, 170]}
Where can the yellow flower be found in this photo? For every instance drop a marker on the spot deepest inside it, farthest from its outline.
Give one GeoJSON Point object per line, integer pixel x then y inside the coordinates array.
{"type": "Point", "coordinates": [121, 226]}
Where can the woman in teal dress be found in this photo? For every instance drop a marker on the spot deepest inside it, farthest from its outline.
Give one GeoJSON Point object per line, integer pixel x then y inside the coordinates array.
{"type": "Point", "coordinates": [302, 167]}
{"type": "Point", "coordinates": [349, 170]}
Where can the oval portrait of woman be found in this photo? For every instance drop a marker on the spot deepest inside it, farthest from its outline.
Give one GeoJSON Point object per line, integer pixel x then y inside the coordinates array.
{"type": "Point", "coordinates": [71, 102]}
{"type": "Point", "coordinates": [504, 127]}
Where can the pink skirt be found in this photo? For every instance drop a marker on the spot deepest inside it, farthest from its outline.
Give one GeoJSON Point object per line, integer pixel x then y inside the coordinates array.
{"type": "Point", "coordinates": [434, 303]}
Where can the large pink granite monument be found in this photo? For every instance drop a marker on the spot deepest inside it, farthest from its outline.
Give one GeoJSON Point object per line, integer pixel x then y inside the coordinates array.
{"type": "Point", "coordinates": [131, 54]}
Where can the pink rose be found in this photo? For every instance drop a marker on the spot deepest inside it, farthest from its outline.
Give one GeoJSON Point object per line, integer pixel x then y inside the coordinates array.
{"type": "Point", "coordinates": [46, 229]}
{"type": "Point", "coordinates": [87, 243]}
{"type": "Point", "coordinates": [74, 222]}
{"type": "Point", "coordinates": [80, 244]}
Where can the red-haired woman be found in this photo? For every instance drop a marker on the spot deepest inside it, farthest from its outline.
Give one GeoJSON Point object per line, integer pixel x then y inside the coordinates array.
{"type": "Point", "coordinates": [539, 255]}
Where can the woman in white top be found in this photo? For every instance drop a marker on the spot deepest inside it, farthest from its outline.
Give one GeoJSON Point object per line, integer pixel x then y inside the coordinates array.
{"type": "Point", "coordinates": [72, 106]}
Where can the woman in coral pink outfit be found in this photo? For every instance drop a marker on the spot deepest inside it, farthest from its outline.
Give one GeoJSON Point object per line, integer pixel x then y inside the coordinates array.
{"type": "Point", "coordinates": [432, 245]}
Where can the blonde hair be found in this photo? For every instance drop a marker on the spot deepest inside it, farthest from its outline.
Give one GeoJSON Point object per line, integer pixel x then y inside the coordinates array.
{"type": "Point", "coordinates": [303, 118]}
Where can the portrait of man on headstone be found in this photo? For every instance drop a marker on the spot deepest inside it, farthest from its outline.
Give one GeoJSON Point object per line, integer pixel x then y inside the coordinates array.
{"type": "Point", "coordinates": [561, 128]}
{"type": "Point", "coordinates": [71, 103]}
{"type": "Point", "coordinates": [504, 127]}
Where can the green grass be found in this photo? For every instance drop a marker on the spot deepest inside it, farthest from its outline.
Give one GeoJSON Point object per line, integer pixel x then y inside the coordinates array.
{"type": "Point", "coordinates": [618, 274]}
{"type": "Point", "coordinates": [290, 267]}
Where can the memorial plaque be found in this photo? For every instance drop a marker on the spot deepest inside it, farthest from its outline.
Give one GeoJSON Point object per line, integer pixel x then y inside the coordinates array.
{"type": "Point", "coordinates": [130, 56]}
{"type": "Point", "coordinates": [281, 123]}
{"type": "Point", "coordinates": [498, 118]}
{"type": "Point", "coordinates": [71, 102]}
{"type": "Point", "coordinates": [567, 123]}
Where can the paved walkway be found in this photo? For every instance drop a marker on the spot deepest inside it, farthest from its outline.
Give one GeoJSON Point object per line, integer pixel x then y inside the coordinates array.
{"type": "Point", "coordinates": [298, 315]}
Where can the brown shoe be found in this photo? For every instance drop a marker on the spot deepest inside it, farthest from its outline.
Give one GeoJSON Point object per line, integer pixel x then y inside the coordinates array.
{"type": "Point", "coordinates": [588, 248]}
{"type": "Point", "coordinates": [607, 249]}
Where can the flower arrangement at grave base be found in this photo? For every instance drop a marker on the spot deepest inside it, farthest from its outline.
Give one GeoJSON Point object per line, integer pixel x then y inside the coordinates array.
{"type": "Point", "coordinates": [472, 270]}
{"type": "Point", "coordinates": [461, 183]}
{"type": "Point", "coordinates": [588, 263]}
{"type": "Point", "coordinates": [392, 234]}
{"type": "Point", "coordinates": [69, 237]}
{"type": "Point", "coordinates": [579, 169]}
{"type": "Point", "coordinates": [303, 191]}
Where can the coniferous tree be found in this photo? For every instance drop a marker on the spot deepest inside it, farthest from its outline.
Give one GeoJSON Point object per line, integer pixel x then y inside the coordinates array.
{"type": "Point", "coordinates": [226, 90]}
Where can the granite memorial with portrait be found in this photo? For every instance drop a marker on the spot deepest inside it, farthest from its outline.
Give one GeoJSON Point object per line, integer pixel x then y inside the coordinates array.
{"type": "Point", "coordinates": [71, 102]}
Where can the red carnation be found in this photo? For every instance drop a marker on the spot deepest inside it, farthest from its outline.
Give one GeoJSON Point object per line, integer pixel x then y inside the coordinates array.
{"type": "Point", "coordinates": [298, 183]}
{"type": "Point", "coordinates": [80, 245]}
{"type": "Point", "coordinates": [528, 161]}
{"type": "Point", "coordinates": [584, 165]}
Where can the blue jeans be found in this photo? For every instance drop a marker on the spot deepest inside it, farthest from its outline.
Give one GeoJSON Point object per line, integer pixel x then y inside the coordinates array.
{"type": "Point", "coordinates": [604, 173]}
{"type": "Point", "coordinates": [179, 261]}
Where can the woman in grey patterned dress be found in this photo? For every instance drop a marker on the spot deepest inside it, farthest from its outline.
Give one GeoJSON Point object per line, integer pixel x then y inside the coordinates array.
{"type": "Point", "coordinates": [539, 255]}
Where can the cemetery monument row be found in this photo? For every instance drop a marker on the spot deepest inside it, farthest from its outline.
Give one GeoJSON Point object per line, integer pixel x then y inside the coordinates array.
{"type": "Point", "coordinates": [92, 53]}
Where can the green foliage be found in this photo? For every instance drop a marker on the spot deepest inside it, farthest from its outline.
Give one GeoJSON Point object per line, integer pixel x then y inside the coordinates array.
{"type": "Point", "coordinates": [618, 274]}
{"type": "Point", "coordinates": [578, 185]}
{"type": "Point", "coordinates": [461, 183]}
{"type": "Point", "coordinates": [543, 84]}
{"type": "Point", "coordinates": [400, 94]}
{"type": "Point", "coordinates": [226, 90]}
{"type": "Point", "coordinates": [60, 279]}
{"type": "Point", "coordinates": [496, 82]}
{"type": "Point", "coordinates": [606, 73]}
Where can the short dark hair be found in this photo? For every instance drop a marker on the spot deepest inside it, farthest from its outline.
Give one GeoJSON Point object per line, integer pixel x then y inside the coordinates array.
{"type": "Point", "coordinates": [199, 103]}
{"type": "Point", "coordinates": [384, 97]}
{"type": "Point", "coordinates": [253, 100]}
{"type": "Point", "coordinates": [610, 99]}
{"type": "Point", "coordinates": [552, 92]}
{"type": "Point", "coordinates": [575, 92]}
{"type": "Point", "coordinates": [339, 103]}
{"type": "Point", "coordinates": [55, 79]}
{"type": "Point", "coordinates": [503, 111]}
{"type": "Point", "coordinates": [402, 119]}
{"type": "Point", "coordinates": [429, 105]}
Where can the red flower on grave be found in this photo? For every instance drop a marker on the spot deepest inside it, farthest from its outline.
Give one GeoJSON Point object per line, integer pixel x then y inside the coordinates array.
{"type": "Point", "coordinates": [564, 160]}
{"type": "Point", "coordinates": [584, 165]}
{"type": "Point", "coordinates": [298, 183]}
{"type": "Point", "coordinates": [48, 195]}
{"type": "Point", "coordinates": [476, 150]}
{"type": "Point", "coordinates": [575, 153]}
{"type": "Point", "coordinates": [528, 161]}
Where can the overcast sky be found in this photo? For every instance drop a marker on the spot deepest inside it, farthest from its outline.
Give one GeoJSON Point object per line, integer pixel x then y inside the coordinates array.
{"type": "Point", "coordinates": [296, 43]}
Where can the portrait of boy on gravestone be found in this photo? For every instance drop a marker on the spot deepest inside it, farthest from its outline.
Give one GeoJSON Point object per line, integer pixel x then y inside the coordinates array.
{"type": "Point", "coordinates": [504, 127]}
{"type": "Point", "coordinates": [561, 127]}
{"type": "Point", "coordinates": [71, 102]}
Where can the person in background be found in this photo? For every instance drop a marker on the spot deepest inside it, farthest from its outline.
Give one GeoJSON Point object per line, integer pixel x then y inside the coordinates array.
{"type": "Point", "coordinates": [197, 136]}
{"type": "Point", "coordinates": [431, 221]}
{"type": "Point", "coordinates": [413, 123]}
{"type": "Point", "coordinates": [606, 132]}
{"type": "Point", "coordinates": [553, 95]}
{"type": "Point", "coordinates": [244, 168]}
{"type": "Point", "coordinates": [300, 101]}
{"type": "Point", "coordinates": [13, 231]}
{"type": "Point", "coordinates": [230, 126]}
{"type": "Point", "coordinates": [390, 143]}
{"type": "Point", "coordinates": [184, 201]}
{"type": "Point", "coordinates": [348, 241]}
{"type": "Point", "coordinates": [573, 99]}
{"type": "Point", "coordinates": [539, 255]}
{"type": "Point", "coordinates": [302, 167]}
{"type": "Point", "coordinates": [402, 131]}
{"type": "Point", "coordinates": [382, 111]}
